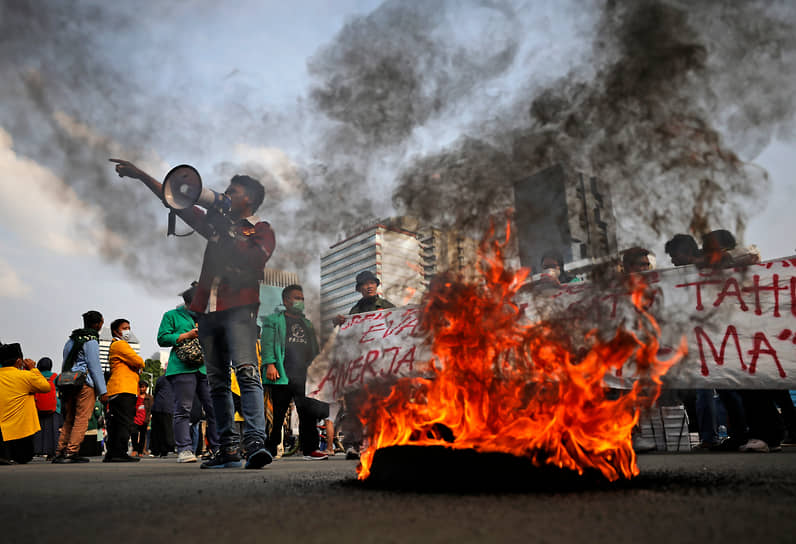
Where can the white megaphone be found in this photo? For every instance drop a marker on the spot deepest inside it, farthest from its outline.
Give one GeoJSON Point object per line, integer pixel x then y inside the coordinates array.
{"type": "Point", "coordinates": [182, 188]}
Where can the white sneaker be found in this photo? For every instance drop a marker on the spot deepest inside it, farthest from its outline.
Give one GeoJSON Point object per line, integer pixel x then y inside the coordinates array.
{"type": "Point", "coordinates": [186, 456]}
{"type": "Point", "coordinates": [754, 445]}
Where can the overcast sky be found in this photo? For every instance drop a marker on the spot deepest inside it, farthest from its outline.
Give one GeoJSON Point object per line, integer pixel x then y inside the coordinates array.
{"type": "Point", "coordinates": [261, 88]}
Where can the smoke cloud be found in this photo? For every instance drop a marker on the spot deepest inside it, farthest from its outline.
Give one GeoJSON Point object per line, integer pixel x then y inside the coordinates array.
{"type": "Point", "coordinates": [430, 109]}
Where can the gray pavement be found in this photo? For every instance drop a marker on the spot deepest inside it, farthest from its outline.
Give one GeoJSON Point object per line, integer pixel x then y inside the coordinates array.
{"type": "Point", "coordinates": [696, 497]}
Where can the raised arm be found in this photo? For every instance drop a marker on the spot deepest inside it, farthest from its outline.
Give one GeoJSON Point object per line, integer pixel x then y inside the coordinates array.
{"type": "Point", "coordinates": [193, 216]}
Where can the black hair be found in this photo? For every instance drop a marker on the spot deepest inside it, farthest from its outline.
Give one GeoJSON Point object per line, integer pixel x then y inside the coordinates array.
{"type": "Point", "coordinates": [254, 189]}
{"type": "Point", "coordinates": [630, 256]}
{"type": "Point", "coordinates": [552, 255]}
{"type": "Point", "coordinates": [142, 382]}
{"type": "Point", "coordinates": [289, 288]}
{"type": "Point", "coordinates": [118, 323]}
{"type": "Point", "coordinates": [685, 242]}
{"type": "Point", "coordinates": [91, 318]}
{"type": "Point", "coordinates": [45, 364]}
{"type": "Point", "coordinates": [723, 238]}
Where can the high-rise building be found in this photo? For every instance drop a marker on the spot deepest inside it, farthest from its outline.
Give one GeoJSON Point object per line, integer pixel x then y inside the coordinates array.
{"type": "Point", "coordinates": [565, 211]}
{"type": "Point", "coordinates": [447, 250]}
{"type": "Point", "coordinates": [401, 253]}
{"type": "Point", "coordinates": [271, 290]}
{"type": "Point", "coordinates": [105, 338]}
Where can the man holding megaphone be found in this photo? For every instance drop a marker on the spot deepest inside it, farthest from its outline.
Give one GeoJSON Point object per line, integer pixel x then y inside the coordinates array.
{"type": "Point", "coordinates": [227, 296]}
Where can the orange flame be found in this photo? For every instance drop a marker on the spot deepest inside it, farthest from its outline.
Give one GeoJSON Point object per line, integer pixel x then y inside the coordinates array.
{"type": "Point", "coordinates": [501, 384]}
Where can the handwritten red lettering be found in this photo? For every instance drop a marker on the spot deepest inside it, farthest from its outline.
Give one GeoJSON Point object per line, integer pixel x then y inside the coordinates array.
{"type": "Point", "coordinates": [407, 359]}
{"type": "Point", "coordinates": [370, 358]}
{"type": "Point", "coordinates": [736, 292]}
{"type": "Point", "coordinates": [755, 352]}
{"type": "Point", "coordinates": [351, 368]}
{"type": "Point", "coordinates": [373, 328]}
{"type": "Point", "coordinates": [394, 349]}
{"type": "Point", "coordinates": [774, 287]}
{"type": "Point", "coordinates": [718, 357]}
{"type": "Point", "coordinates": [698, 285]}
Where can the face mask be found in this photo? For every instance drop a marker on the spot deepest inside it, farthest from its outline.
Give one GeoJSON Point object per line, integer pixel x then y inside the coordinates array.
{"type": "Point", "coordinates": [126, 334]}
{"type": "Point", "coordinates": [298, 306]}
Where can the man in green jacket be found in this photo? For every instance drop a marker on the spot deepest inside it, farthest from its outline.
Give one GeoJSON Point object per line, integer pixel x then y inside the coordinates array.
{"type": "Point", "coordinates": [289, 345]}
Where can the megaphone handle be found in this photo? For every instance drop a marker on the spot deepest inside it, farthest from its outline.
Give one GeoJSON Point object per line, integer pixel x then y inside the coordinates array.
{"type": "Point", "coordinates": [171, 230]}
{"type": "Point", "coordinates": [172, 223]}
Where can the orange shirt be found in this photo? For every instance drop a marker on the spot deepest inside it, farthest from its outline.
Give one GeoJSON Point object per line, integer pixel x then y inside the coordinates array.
{"type": "Point", "coordinates": [126, 365]}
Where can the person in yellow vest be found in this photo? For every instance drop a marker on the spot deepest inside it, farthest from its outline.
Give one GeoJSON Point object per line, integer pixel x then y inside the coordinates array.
{"type": "Point", "coordinates": [19, 420]}
{"type": "Point", "coordinates": [126, 366]}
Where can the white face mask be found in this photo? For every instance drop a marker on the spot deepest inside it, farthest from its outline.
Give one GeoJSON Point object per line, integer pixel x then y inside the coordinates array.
{"type": "Point", "coordinates": [126, 334]}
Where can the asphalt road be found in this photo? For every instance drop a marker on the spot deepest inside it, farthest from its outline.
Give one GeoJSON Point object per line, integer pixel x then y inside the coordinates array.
{"type": "Point", "coordinates": [677, 498]}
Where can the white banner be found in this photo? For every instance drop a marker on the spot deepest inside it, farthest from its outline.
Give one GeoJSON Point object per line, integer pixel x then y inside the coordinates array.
{"type": "Point", "coordinates": [739, 324]}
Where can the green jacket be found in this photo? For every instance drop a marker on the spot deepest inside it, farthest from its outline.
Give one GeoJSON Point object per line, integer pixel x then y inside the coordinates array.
{"type": "Point", "coordinates": [174, 323]}
{"type": "Point", "coordinates": [272, 344]}
{"type": "Point", "coordinates": [365, 305]}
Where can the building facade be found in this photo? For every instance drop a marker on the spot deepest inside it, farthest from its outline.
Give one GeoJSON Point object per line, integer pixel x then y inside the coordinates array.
{"type": "Point", "coordinates": [403, 256]}
{"type": "Point", "coordinates": [561, 210]}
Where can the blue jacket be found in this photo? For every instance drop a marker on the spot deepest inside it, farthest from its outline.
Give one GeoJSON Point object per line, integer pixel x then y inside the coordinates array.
{"type": "Point", "coordinates": [88, 361]}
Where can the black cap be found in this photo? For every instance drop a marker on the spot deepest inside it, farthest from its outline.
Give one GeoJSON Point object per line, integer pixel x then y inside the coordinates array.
{"type": "Point", "coordinates": [10, 353]}
{"type": "Point", "coordinates": [366, 275]}
{"type": "Point", "coordinates": [190, 290]}
{"type": "Point", "coordinates": [45, 363]}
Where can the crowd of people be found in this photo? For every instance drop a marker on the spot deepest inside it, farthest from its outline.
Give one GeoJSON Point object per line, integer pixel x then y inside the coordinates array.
{"type": "Point", "coordinates": [752, 420]}
{"type": "Point", "coordinates": [216, 375]}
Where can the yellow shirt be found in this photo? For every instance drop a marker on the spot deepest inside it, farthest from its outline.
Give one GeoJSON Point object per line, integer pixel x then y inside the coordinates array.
{"type": "Point", "coordinates": [125, 367]}
{"type": "Point", "coordinates": [18, 415]}
{"type": "Point", "coordinates": [235, 388]}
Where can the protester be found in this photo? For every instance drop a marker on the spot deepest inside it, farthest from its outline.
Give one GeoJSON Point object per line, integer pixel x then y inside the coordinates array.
{"type": "Point", "coordinates": [367, 285]}
{"type": "Point", "coordinates": [187, 377]}
{"type": "Point", "coordinates": [46, 440]}
{"type": "Point", "coordinates": [683, 250]}
{"type": "Point", "coordinates": [161, 437]}
{"type": "Point", "coordinates": [126, 366]}
{"type": "Point", "coordinates": [636, 260]}
{"type": "Point", "coordinates": [289, 345]}
{"type": "Point", "coordinates": [721, 250]}
{"type": "Point", "coordinates": [19, 421]}
{"type": "Point", "coordinates": [553, 273]}
{"type": "Point", "coordinates": [227, 299]}
{"type": "Point", "coordinates": [81, 354]}
{"type": "Point", "coordinates": [143, 411]}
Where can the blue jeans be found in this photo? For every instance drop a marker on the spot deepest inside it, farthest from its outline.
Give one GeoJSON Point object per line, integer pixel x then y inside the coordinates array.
{"type": "Point", "coordinates": [187, 386]}
{"type": "Point", "coordinates": [706, 416]}
{"type": "Point", "coordinates": [229, 337]}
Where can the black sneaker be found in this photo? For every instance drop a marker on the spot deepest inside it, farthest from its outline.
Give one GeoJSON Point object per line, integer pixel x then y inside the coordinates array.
{"type": "Point", "coordinates": [75, 459]}
{"type": "Point", "coordinates": [259, 458]}
{"type": "Point", "coordinates": [223, 460]}
{"type": "Point", "coordinates": [121, 459]}
{"type": "Point", "coordinates": [59, 459]}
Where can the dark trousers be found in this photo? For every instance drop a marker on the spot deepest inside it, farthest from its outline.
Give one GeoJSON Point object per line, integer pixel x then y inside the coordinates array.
{"type": "Point", "coordinates": [186, 387]}
{"type": "Point", "coordinates": [161, 437]}
{"type": "Point", "coordinates": [121, 414]}
{"type": "Point", "coordinates": [785, 403]}
{"type": "Point", "coordinates": [765, 422]}
{"type": "Point", "coordinates": [139, 438]}
{"type": "Point", "coordinates": [46, 440]}
{"type": "Point", "coordinates": [736, 415]}
{"type": "Point", "coordinates": [20, 450]}
{"type": "Point", "coordinates": [281, 396]}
